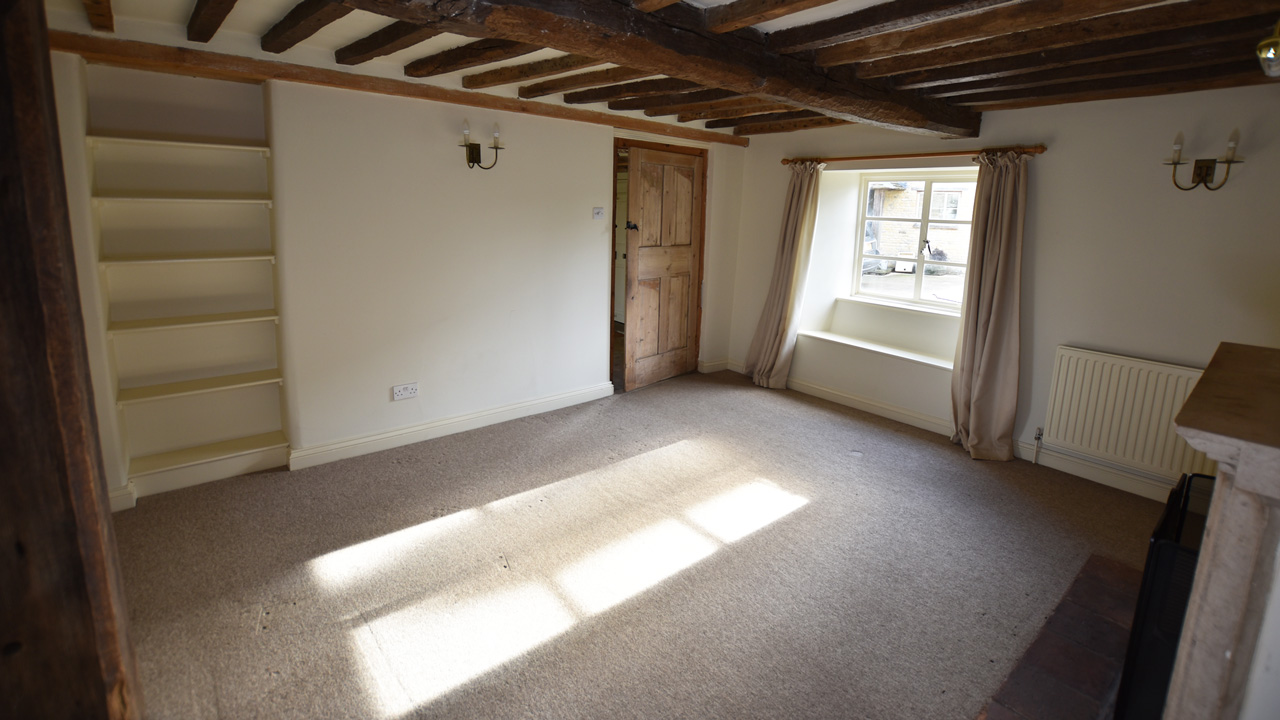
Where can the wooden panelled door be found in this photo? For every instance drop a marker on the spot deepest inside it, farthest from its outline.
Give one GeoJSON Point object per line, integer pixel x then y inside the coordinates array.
{"type": "Point", "coordinates": [664, 264]}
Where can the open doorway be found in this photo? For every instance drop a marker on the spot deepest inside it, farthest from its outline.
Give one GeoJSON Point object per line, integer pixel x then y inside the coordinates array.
{"type": "Point", "coordinates": [656, 274]}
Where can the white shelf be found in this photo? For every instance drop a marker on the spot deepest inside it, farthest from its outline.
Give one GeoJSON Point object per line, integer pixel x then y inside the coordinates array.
{"type": "Point", "coordinates": [149, 464]}
{"type": "Point", "coordinates": [195, 387]}
{"type": "Point", "coordinates": [201, 145]}
{"type": "Point", "coordinates": [192, 321]}
{"type": "Point", "coordinates": [206, 258]}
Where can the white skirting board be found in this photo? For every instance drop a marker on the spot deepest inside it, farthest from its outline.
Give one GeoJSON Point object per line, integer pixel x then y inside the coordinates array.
{"type": "Point", "coordinates": [942, 426]}
{"type": "Point", "coordinates": [204, 472]}
{"type": "Point", "coordinates": [711, 367]}
{"type": "Point", "coordinates": [1100, 472]}
{"type": "Point", "coordinates": [123, 498]}
{"type": "Point", "coordinates": [1096, 471]}
{"type": "Point", "coordinates": [353, 447]}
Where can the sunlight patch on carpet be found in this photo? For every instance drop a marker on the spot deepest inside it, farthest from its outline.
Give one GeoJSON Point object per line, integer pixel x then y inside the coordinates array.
{"type": "Point", "coordinates": [449, 600]}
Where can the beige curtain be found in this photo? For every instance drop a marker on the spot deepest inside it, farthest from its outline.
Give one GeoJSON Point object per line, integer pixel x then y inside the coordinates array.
{"type": "Point", "coordinates": [769, 359]}
{"type": "Point", "coordinates": [984, 384]}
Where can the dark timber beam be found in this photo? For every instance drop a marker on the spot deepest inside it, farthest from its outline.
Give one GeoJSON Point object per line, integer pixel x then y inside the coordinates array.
{"type": "Point", "coordinates": [304, 20]}
{"type": "Point", "coordinates": [206, 18]}
{"type": "Point", "coordinates": [582, 80]}
{"type": "Point", "coordinates": [877, 19]}
{"type": "Point", "coordinates": [202, 63]}
{"type": "Point", "coordinates": [1114, 49]}
{"type": "Point", "coordinates": [465, 57]}
{"type": "Point", "coordinates": [1244, 76]}
{"type": "Point", "coordinates": [783, 126]}
{"type": "Point", "coordinates": [744, 13]}
{"type": "Point", "coordinates": [619, 34]}
{"type": "Point", "coordinates": [763, 118]}
{"type": "Point", "coordinates": [529, 71]}
{"type": "Point", "coordinates": [63, 623]}
{"type": "Point", "coordinates": [640, 88]}
{"type": "Point", "coordinates": [684, 106]}
{"type": "Point", "coordinates": [100, 15]}
{"type": "Point", "coordinates": [1000, 20]}
{"type": "Point", "coordinates": [652, 5]}
{"type": "Point", "coordinates": [1090, 89]}
{"type": "Point", "coordinates": [1135, 22]}
{"type": "Point", "coordinates": [1210, 54]}
{"type": "Point", "coordinates": [729, 112]}
{"type": "Point", "coordinates": [652, 101]}
{"type": "Point", "coordinates": [393, 38]}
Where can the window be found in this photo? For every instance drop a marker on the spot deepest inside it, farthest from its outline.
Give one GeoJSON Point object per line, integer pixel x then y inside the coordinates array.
{"type": "Point", "coordinates": [915, 228]}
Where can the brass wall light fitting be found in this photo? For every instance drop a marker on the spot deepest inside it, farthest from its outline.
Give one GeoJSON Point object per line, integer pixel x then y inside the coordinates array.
{"type": "Point", "coordinates": [1202, 171]}
{"type": "Point", "coordinates": [1269, 54]}
{"type": "Point", "coordinates": [473, 149]}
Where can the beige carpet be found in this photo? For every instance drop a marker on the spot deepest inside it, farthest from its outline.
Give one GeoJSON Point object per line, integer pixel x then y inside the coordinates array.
{"type": "Point", "coordinates": [698, 549]}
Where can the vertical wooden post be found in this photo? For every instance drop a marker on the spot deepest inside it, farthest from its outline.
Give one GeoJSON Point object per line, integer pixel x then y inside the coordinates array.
{"type": "Point", "coordinates": [64, 649]}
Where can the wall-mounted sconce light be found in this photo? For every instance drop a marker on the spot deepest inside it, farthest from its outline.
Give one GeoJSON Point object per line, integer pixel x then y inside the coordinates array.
{"type": "Point", "coordinates": [1202, 171]}
{"type": "Point", "coordinates": [473, 149]}
{"type": "Point", "coordinates": [1269, 53]}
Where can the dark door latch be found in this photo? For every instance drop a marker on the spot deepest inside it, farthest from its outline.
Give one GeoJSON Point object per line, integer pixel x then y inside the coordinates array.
{"type": "Point", "coordinates": [632, 226]}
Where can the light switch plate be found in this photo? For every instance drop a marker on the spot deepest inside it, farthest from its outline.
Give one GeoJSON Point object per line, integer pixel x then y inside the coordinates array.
{"type": "Point", "coordinates": [597, 213]}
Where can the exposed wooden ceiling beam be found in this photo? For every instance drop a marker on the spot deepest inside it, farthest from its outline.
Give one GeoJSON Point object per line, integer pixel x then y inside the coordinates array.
{"type": "Point", "coordinates": [620, 34]}
{"type": "Point", "coordinates": [393, 38]}
{"type": "Point", "coordinates": [1135, 22]}
{"type": "Point", "coordinates": [744, 13]}
{"type": "Point", "coordinates": [304, 20]}
{"type": "Point", "coordinates": [1003, 20]}
{"type": "Point", "coordinates": [782, 126]}
{"type": "Point", "coordinates": [1210, 54]}
{"type": "Point", "coordinates": [652, 101]}
{"type": "Point", "coordinates": [464, 57]}
{"type": "Point", "coordinates": [763, 118]}
{"type": "Point", "coordinates": [202, 63]}
{"type": "Point", "coordinates": [529, 71]}
{"type": "Point", "coordinates": [582, 80]}
{"type": "Point", "coordinates": [882, 18]}
{"type": "Point", "coordinates": [640, 88]}
{"type": "Point", "coordinates": [688, 105]}
{"type": "Point", "coordinates": [206, 18]}
{"type": "Point", "coordinates": [1246, 74]}
{"type": "Point", "coordinates": [730, 112]}
{"type": "Point", "coordinates": [100, 15]}
{"type": "Point", "coordinates": [1113, 49]}
{"type": "Point", "coordinates": [652, 5]}
{"type": "Point", "coordinates": [1090, 88]}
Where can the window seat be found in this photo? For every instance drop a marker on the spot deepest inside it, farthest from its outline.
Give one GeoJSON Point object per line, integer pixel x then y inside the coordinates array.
{"type": "Point", "coordinates": [945, 364]}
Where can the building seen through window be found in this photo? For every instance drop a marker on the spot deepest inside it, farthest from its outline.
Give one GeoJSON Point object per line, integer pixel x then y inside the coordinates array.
{"type": "Point", "coordinates": [915, 228]}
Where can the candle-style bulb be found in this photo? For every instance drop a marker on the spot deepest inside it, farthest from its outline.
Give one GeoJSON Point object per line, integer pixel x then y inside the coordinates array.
{"type": "Point", "coordinates": [466, 132]}
{"type": "Point", "coordinates": [1232, 143]}
{"type": "Point", "coordinates": [1177, 148]}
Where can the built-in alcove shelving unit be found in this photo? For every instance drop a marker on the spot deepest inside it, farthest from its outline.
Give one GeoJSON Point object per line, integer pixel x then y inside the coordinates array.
{"type": "Point", "coordinates": [187, 268]}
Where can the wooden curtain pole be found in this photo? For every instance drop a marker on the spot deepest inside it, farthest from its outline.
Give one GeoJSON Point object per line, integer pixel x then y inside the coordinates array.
{"type": "Point", "coordinates": [1028, 149]}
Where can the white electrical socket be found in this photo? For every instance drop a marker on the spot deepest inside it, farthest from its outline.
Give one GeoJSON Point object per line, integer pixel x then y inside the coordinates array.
{"type": "Point", "coordinates": [597, 213]}
{"type": "Point", "coordinates": [404, 392]}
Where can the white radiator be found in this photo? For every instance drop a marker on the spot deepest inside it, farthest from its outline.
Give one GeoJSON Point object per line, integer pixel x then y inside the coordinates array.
{"type": "Point", "coordinates": [1120, 410]}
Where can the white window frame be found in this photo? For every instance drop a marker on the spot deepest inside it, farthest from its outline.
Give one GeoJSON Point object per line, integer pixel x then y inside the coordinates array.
{"type": "Point", "coordinates": [929, 177]}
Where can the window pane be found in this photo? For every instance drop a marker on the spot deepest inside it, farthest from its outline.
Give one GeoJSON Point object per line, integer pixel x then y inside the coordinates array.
{"type": "Point", "coordinates": [895, 239]}
{"type": "Point", "coordinates": [883, 277]}
{"type": "Point", "coordinates": [887, 198]}
{"type": "Point", "coordinates": [943, 283]}
{"type": "Point", "coordinates": [948, 242]}
{"type": "Point", "coordinates": [952, 201]}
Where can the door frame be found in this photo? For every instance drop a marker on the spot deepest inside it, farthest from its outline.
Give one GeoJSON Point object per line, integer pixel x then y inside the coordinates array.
{"type": "Point", "coordinates": [620, 143]}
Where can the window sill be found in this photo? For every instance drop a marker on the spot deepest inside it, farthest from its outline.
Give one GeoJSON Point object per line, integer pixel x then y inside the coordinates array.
{"type": "Point", "coordinates": [910, 307]}
{"type": "Point", "coordinates": [908, 355]}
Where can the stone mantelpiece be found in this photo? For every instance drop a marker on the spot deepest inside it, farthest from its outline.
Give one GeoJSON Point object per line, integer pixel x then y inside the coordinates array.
{"type": "Point", "coordinates": [1233, 416]}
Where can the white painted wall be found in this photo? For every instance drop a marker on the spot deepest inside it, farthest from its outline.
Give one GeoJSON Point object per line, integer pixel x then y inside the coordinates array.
{"type": "Point", "coordinates": [1116, 259]}
{"type": "Point", "coordinates": [725, 177]}
{"type": "Point", "coordinates": [399, 264]}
